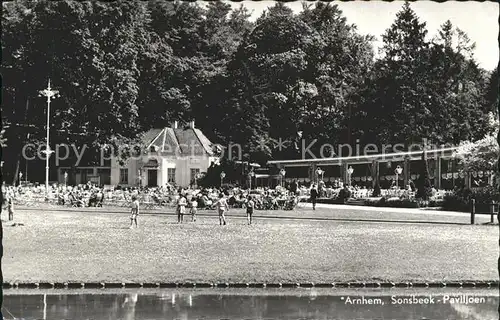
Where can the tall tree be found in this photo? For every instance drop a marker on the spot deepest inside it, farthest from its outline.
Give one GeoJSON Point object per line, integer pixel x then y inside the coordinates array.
{"type": "Point", "coordinates": [424, 90]}
{"type": "Point", "coordinates": [91, 52]}
{"type": "Point", "coordinates": [264, 74]}
{"type": "Point", "coordinates": [222, 31]}
{"type": "Point", "coordinates": [299, 70]}
{"type": "Point", "coordinates": [492, 95]}
{"type": "Point", "coordinates": [339, 69]}
{"type": "Point", "coordinates": [399, 107]}
{"type": "Point", "coordinates": [458, 86]}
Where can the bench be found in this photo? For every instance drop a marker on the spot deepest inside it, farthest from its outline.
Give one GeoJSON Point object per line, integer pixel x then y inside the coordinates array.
{"type": "Point", "coordinates": [493, 210]}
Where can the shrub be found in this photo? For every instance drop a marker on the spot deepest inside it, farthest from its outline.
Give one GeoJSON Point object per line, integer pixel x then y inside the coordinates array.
{"type": "Point", "coordinates": [460, 200]}
{"type": "Point", "coordinates": [454, 202]}
{"type": "Point", "coordinates": [485, 195]}
{"type": "Point", "coordinates": [399, 203]}
{"type": "Point", "coordinates": [404, 203]}
{"type": "Point", "coordinates": [329, 201]}
{"type": "Point", "coordinates": [382, 202]}
{"type": "Point", "coordinates": [344, 195]}
{"type": "Point", "coordinates": [371, 202]}
{"type": "Point", "coordinates": [434, 203]}
{"type": "Point", "coordinates": [429, 203]}
{"type": "Point", "coordinates": [423, 203]}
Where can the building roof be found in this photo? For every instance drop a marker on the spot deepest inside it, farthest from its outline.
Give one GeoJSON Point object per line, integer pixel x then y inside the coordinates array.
{"type": "Point", "coordinates": [188, 141]}
{"type": "Point", "coordinates": [148, 136]}
{"type": "Point", "coordinates": [413, 155]}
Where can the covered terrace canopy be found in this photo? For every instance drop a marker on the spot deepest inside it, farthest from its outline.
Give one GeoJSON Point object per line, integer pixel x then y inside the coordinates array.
{"type": "Point", "coordinates": [381, 167]}
{"type": "Point", "coordinates": [380, 157]}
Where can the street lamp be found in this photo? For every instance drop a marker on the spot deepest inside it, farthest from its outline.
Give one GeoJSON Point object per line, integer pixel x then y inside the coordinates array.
{"type": "Point", "coordinates": [65, 178]}
{"type": "Point", "coordinates": [50, 94]}
{"type": "Point", "coordinates": [350, 171]}
{"type": "Point", "coordinates": [222, 176]}
{"type": "Point", "coordinates": [282, 174]}
{"type": "Point", "coordinates": [251, 174]}
{"type": "Point", "coordinates": [453, 160]}
{"type": "Point", "coordinates": [398, 171]}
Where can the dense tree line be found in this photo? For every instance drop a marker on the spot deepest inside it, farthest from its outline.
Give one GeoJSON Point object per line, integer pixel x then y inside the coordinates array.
{"type": "Point", "coordinates": [125, 67]}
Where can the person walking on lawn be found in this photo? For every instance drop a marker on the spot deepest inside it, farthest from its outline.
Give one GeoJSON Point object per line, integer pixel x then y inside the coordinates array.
{"type": "Point", "coordinates": [10, 207]}
{"type": "Point", "coordinates": [181, 208]}
{"type": "Point", "coordinates": [314, 196]}
{"type": "Point", "coordinates": [222, 208]}
{"type": "Point", "coordinates": [134, 212]}
{"type": "Point", "coordinates": [194, 208]}
{"type": "Point", "coordinates": [250, 205]}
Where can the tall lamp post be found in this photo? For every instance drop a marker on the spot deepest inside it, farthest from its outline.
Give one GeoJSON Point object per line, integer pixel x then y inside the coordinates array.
{"type": "Point", "coordinates": [222, 176]}
{"type": "Point", "coordinates": [65, 178]}
{"type": "Point", "coordinates": [139, 177]}
{"type": "Point", "coordinates": [453, 159]}
{"type": "Point", "coordinates": [398, 171]}
{"type": "Point", "coordinates": [50, 94]}
{"type": "Point", "coordinates": [350, 171]}
{"type": "Point", "coordinates": [251, 174]}
{"type": "Point", "coordinates": [282, 175]}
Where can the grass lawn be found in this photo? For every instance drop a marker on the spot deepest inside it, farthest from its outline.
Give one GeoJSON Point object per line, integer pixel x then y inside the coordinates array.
{"type": "Point", "coordinates": [90, 246]}
{"type": "Point", "coordinates": [304, 211]}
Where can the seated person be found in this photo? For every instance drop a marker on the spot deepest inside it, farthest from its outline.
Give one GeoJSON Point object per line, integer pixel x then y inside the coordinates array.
{"type": "Point", "coordinates": [60, 199]}
{"type": "Point", "coordinates": [344, 194]}
{"type": "Point", "coordinates": [205, 201]}
{"type": "Point", "coordinates": [76, 200]}
{"type": "Point", "coordinates": [66, 197]}
{"type": "Point", "coordinates": [433, 192]}
{"type": "Point", "coordinates": [93, 200]}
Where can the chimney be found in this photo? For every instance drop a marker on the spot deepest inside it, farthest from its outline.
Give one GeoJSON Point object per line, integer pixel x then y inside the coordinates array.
{"type": "Point", "coordinates": [191, 124]}
{"type": "Point", "coordinates": [175, 124]}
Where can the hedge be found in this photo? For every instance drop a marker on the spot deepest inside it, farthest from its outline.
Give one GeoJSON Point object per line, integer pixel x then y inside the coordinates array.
{"type": "Point", "coordinates": [460, 200]}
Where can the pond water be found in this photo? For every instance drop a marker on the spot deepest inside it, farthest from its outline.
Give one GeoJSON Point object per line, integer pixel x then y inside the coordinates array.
{"type": "Point", "coordinates": [231, 304]}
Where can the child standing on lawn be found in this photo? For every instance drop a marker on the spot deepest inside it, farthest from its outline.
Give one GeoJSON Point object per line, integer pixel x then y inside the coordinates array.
{"type": "Point", "coordinates": [222, 207]}
{"type": "Point", "coordinates": [10, 207]}
{"type": "Point", "coordinates": [314, 195]}
{"type": "Point", "coordinates": [181, 208]}
{"type": "Point", "coordinates": [250, 204]}
{"type": "Point", "coordinates": [134, 212]}
{"type": "Point", "coordinates": [194, 208]}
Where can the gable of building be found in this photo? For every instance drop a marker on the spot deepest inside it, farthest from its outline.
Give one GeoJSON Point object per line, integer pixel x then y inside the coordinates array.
{"type": "Point", "coordinates": [184, 142]}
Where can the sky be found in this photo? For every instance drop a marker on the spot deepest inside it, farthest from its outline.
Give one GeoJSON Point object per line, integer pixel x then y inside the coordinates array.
{"type": "Point", "coordinates": [478, 19]}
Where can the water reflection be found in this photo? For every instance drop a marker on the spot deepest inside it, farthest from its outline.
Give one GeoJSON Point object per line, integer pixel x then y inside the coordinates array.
{"type": "Point", "coordinates": [227, 304]}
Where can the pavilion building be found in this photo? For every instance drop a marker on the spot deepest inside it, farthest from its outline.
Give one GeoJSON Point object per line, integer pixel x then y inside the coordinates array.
{"type": "Point", "coordinates": [442, 164]}
{"type": "Point", "coordinates": [174, 156]}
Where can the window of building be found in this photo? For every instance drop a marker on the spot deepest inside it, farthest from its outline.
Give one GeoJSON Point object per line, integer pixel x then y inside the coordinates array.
{"type": "Point", "coordinates": [194, 172]}
{"type": "Point", "coordinates": [105, 175]}
{"type": "Point", "coordinates": [171, 175]}
{"type": "Point", "coordinates": [124, 176]}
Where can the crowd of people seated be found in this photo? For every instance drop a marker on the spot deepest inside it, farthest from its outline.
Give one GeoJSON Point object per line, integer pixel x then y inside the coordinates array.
{"type": "Point", "coordinates": [338, 190]}
{"type": "Point", "coordinates": [288, 197]}
{"type": "Point", "coordinates": [89, 195]}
